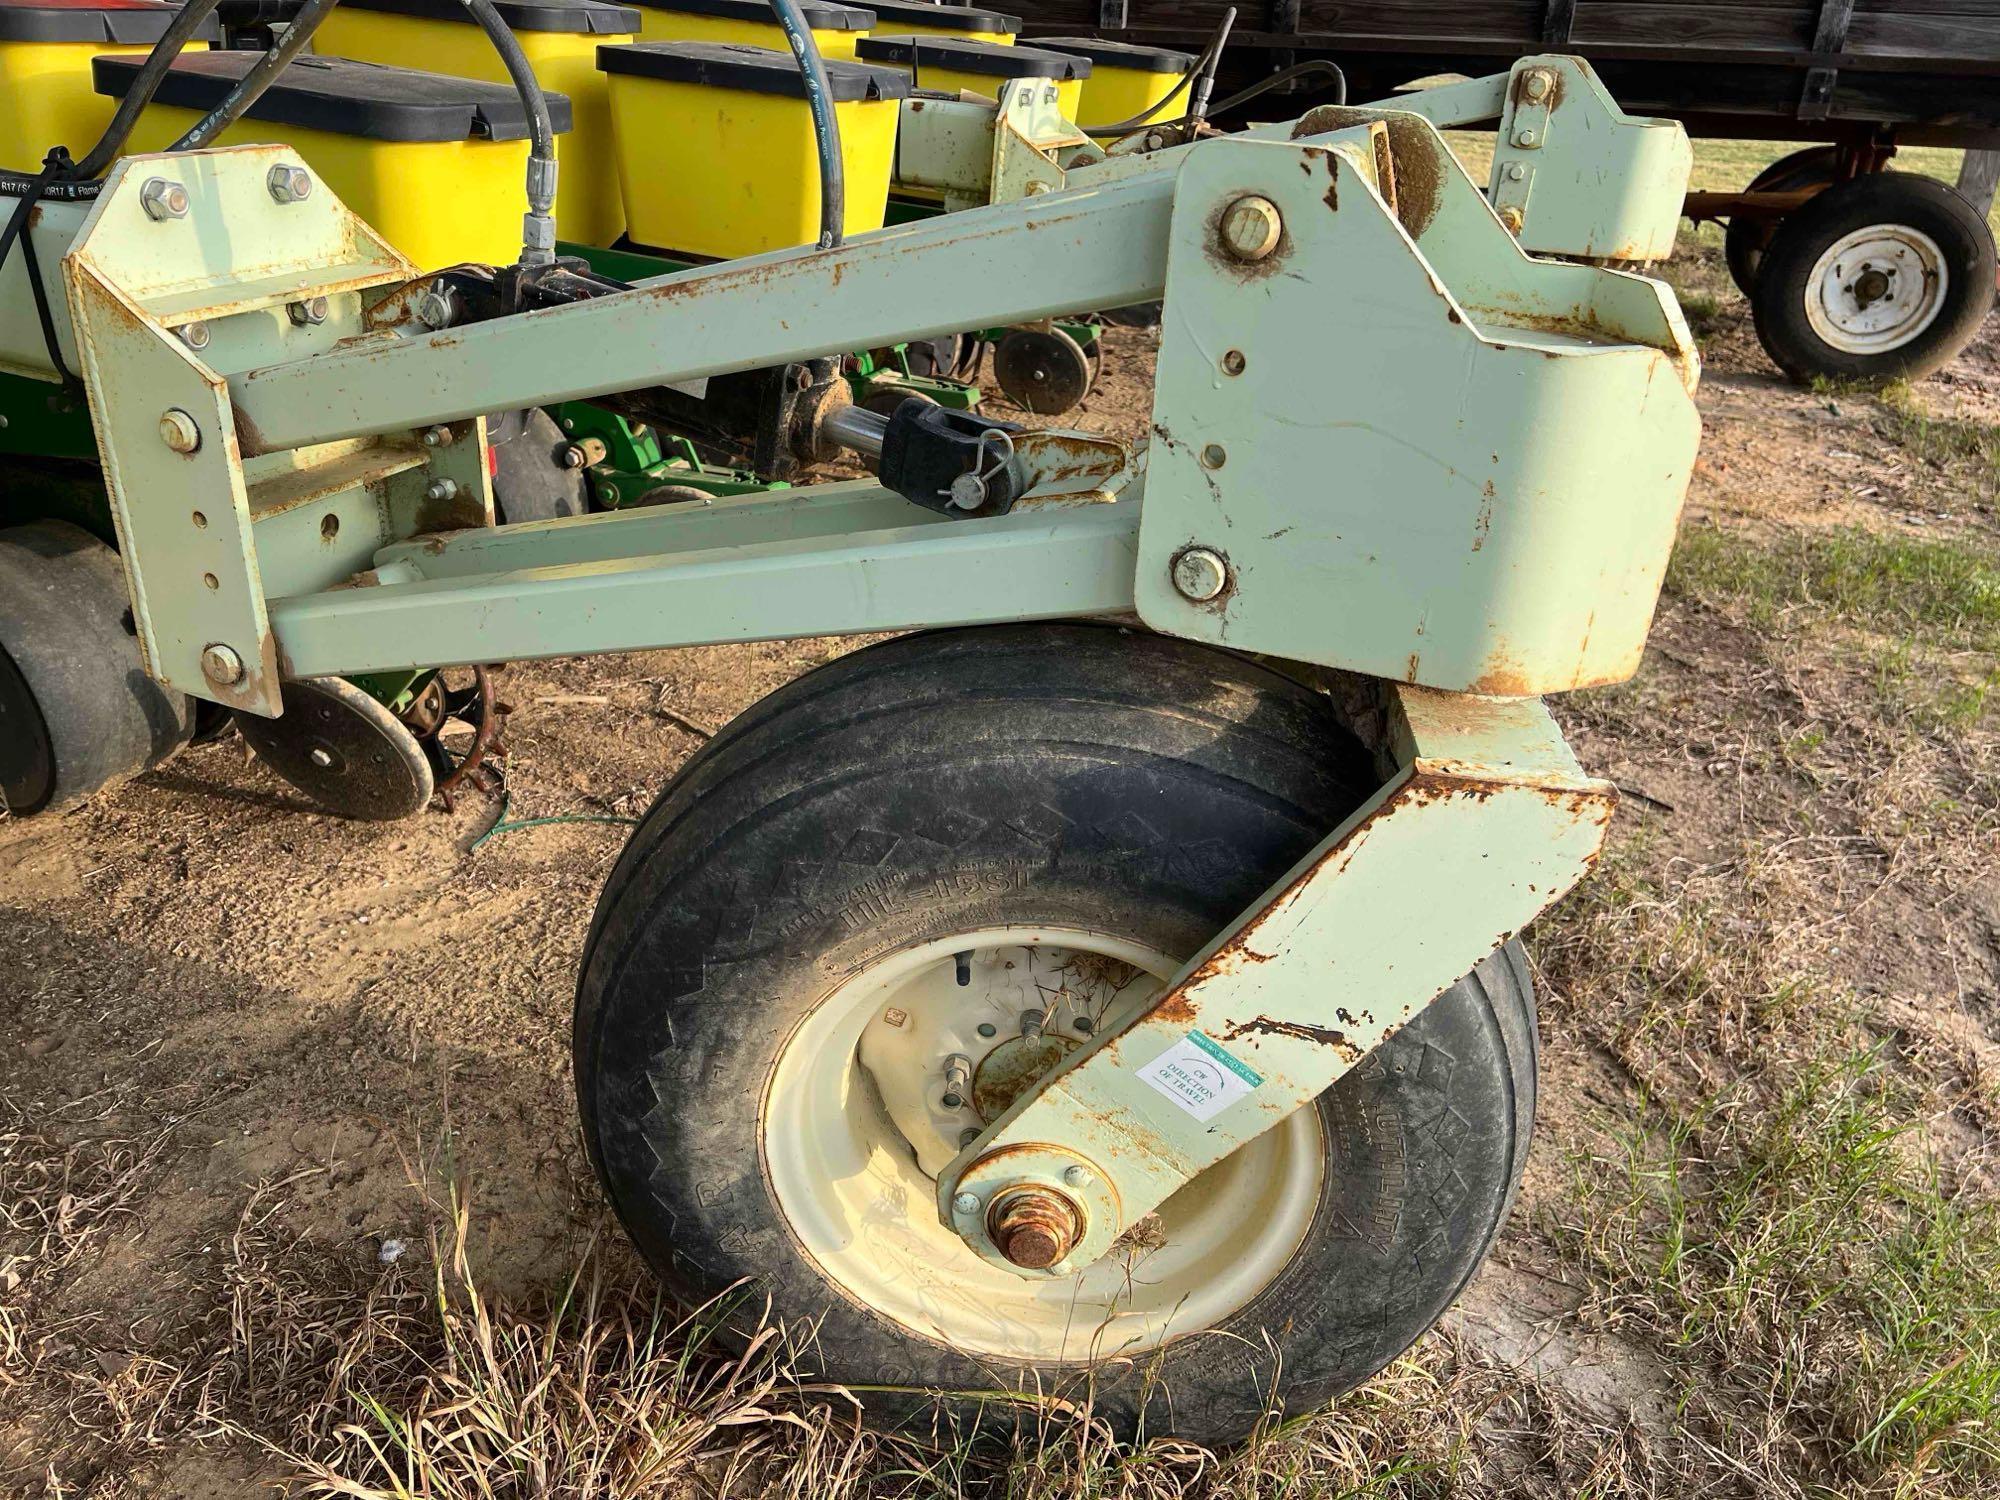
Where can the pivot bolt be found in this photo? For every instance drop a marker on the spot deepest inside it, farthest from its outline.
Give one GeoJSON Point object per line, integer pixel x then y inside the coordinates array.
{"type": "Point", "coordinates": [1537, 84]}
{"type": "Point", "coordinates": [163, 199]}
{"type": "Point", "coordinates": [1035, 1228]}
{"type": "Point", "coordinates": [1251, 227]}
{"type": "Point", "coordinates": [965, 1203]}
{"type": "Point", "coordinates": [1510, 216]}
{"type": "Point", "coordinates": [309, 312]}
{"type": "Point", "coordinates": [1200, 574]}
{"type": "Point", "coordinates": [178, 430]}
{"type": "Point", "coordinates": [288, 184]}
{"type": "Point", "coordinates": [221, 665]}
{"type": "Point", "coordinates": [195, 334]}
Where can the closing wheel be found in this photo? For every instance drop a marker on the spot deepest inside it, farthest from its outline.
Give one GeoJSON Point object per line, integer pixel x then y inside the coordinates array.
{"type": "Point", "coordinates": [77, 710]}
{"type": "Point", "coordinates": [889, 897]}
{"type": "Point", "coordinates": [1746, 237]}
{"type": "Point", "coordinates": [1042, 370]}
{"type": "Point", "coordinates": [344, 750]}
{"type": "Point", "coordinates": [1878, 278]}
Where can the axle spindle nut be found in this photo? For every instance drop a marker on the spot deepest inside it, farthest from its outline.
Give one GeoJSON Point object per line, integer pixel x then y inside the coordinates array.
{"type": "Point", "coordinates": [1035, 1228]}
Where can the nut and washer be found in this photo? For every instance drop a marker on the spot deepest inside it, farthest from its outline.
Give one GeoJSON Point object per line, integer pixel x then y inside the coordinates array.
{"type": "Point", "coordinates": [1200, 574]}
{"type": "Point", "coordinates": [221, 665]}
{"type": "Point", "coordinates": [308, 312]}
{"type": "Point", "coordinates": [438, 437]}
{"type": "Point", "coordinates": [441, 489]}
{"type": "Point", "coordinates": [1251, 227]}
{"type": "Point", "coordinates": [1526, 139]}
{"type": "Point", "coordinates": [1537, 84]}
{"type": "Point", "coordinates": [178, 430]}
{"type": "Point", "coordinates": [195, 334]}
{"type": "Point", "coordinates": [163, 199]}
{"type": "Point", "coordinates": [288, 184]}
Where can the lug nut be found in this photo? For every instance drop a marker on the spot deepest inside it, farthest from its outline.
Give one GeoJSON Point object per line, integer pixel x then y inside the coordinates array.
{"type": "Point", "coordinates": [1200, 574]}
{"type": "Point", "coordinates": [1035, 1228]}
{"type": "Point", "coordinates": [163, 199]}
{"type": "Point", "coordinates": [288, 184]}
{"type": "Point", "coordinates": [1251, 227]}
{"type": "Point", "coordinates": [957, 1079]}
{"type": "Point", "coordinates": [221, 665]}
{"type": "Point", "coordinates": [1032, 1023]}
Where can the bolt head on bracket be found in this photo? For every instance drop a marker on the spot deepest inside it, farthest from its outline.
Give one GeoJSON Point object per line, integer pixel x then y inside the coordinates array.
{"type": "Point", "coordinates": [1251, 227]}
{"type": "Point", "coordinates": [179, 431]}
{"type": "Point", "coordinates": [1200, 574]}
{"type": "Point", "coordinates": [289, 184]}
{"type": "Point", "coordinates": [221, 665]}
{"type": "Point", "coordinates": [163, 199]}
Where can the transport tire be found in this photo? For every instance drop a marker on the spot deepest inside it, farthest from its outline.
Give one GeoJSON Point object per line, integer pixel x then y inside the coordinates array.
{"type": "Point", "coordinates": [77, 710]}
{"type": "Point", "coordinates": [1744, 240]}
{"type": "Point", "coordinates": [1075, 809]}
{"type": "Point", "coordinates": [1878, 278]}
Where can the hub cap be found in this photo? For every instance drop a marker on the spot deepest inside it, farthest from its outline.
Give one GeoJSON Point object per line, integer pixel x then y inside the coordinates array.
{"type": "Point", "coordinates": [857, 1127]}
{"type": "Point", "coordinates": [1877, 289]}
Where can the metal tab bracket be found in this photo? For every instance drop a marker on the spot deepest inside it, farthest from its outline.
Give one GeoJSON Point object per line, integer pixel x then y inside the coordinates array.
{"type": "Point", "coordinates": [1339, 955]}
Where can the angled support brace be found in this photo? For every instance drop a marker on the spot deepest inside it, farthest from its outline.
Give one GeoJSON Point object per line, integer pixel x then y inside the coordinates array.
{"type": "Point", "coordinates": [1487, 804]}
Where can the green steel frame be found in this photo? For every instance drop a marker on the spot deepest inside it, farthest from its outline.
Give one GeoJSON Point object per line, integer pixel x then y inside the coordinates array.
{"type": "Point", "coordinates": [1386, 441]}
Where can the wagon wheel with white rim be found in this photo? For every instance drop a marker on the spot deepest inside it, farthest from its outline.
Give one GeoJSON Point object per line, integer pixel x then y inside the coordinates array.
{"type": "Point", "coordinates": [886, 899]}
{"type": "Point", "coordinates": [1877, 278]}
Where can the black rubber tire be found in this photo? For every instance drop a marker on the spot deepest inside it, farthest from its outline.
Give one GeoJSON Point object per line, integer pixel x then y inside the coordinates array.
{"type": "Point", "coordinates": [1744, 240]}
{"type": "Point", "coordinates": [530, 482]}
{"type": "Point", "coordinates": [1061, 774]}
{"type": "Point", "coordinates": [77, 710]}
{"type": "Point", "coordinates": [1961, 234]}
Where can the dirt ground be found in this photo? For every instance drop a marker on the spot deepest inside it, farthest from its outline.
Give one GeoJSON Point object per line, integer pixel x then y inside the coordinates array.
{"type": "Point", "coordinates": [243, 1043]}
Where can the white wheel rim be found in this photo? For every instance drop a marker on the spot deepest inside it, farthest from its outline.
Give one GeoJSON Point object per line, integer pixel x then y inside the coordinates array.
{"type": "Point", "coordinates": [856, 1194]}
{"type": "Point", "coordinates": [1877, 289]}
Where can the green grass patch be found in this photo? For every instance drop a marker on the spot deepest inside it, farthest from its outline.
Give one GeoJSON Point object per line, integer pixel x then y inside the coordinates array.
{"type": "Point", "coordinates": [1942, 593]}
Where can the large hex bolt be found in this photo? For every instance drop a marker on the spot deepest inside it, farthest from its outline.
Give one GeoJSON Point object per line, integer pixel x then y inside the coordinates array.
{"type": "Point", "coordinates": [163, 199]}
{"type": "Point", "coordinates": [179, 431]}
{"type": "Point", "coordinates": [1251, 227]}
{"type": "Point", "coordinates": [288, 184]}
{"type": "Point", "coordinates": [307, 312]}
{"type": "Point", "coordinates": [221, 665]}
{"type": "Point", "coordinates": [1034, 1228]}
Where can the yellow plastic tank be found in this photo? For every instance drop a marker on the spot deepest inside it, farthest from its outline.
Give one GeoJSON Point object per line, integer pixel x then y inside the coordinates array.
{"type": "Point", "coordinates": [928, 18]}
{"type": "Point", "coordinates": [1126, 79]}
{"type": "Point", "coordinates": [949, 65]}
{"type": "Point", "coordinates": [46, 47]}
{"type": "Point", "coordinates": [751, 22]}
{"type": "Point", "coordinates": [560, 37]}
{"type": "Point", "coordinates": [715, 145]}
{"type": "Point", "coordinates": [435, 164]}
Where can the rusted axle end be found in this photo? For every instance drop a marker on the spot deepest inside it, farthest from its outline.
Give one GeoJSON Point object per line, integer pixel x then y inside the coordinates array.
{"type": "Point", "coordinates": [1034, 1228]}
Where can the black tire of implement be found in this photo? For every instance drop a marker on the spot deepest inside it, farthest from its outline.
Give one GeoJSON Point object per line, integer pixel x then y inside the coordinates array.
{"type": "Point", "coordinates": [70, 673]}
{"type": "Point", "coordinates": [529, 480]}
{"type": "Point", "coordinates": [1744, 240]}
{"type": "Point", "coordinates": [1063, 774]}
{"type": "Point", "coordinates": [1902, 198]}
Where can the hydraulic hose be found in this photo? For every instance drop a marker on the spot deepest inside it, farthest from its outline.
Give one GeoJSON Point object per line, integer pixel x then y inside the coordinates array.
{"type": "Point", "coordinates": [1312, 66]}
{"type": "Point", "coordinates": [826, 129]}
{"type": "Point", "coordinates": [1205, 81]}
{"type": "Point", "coordinates": [1200, 77]}
{"type": "Point", "coordinates": [151, 71]}
{"type": "Point", "coordinates": [258, 77]}
{"type": "Point", "coordinates": [538, 228]}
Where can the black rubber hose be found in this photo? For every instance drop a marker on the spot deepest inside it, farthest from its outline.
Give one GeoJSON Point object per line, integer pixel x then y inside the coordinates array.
{"type": "Point", "coordinates": [258, 77]}
{"type": "Point", "coordinates": [538, 240]}
{"type": "Point", "coordinates": [151, 71]}
{"type": "Point", "coordinates": [1316, 65]}
{"type": "Point", "coordinates": [826, 129]}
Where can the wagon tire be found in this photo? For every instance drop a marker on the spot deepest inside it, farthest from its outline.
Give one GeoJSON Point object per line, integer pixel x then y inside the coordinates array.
{"type": "Point", "coordinates": [77, 710]}
{"type": "Point", "coordinates": [1745, 238]}
{"type": "Point", "coordinates": [924, 819]}
{"type": "Point", "coordinates": [1879, 278]}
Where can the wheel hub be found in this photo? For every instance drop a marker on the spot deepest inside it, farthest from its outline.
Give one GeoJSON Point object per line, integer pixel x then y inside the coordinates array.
{"type": "Point", "coordinates": [857, 1128]}
{"type": "Point", "coordinates": [1877, 289]}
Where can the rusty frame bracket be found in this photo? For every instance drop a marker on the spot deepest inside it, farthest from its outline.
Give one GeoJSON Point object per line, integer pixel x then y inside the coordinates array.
{"type": "Point", "coordinates": [1486, 802]}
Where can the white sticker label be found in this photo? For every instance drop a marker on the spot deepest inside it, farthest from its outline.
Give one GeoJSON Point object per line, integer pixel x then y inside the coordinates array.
{"type": "Point", "coordinates": [1199, 1076]}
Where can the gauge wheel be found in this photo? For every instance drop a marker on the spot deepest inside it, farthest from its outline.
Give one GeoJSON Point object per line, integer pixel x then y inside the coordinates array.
{"type": "Point", "coordinates": [1877, 278]}
{"type": "Point", "coordinates": [1042, 370]}
{"type": "Point", "coordinates": [987, 845]}
{"type": "Point", "coordinates": [77, 710]}
{"type": "Point", "coordinates": [672, 494]}
{"type": "Point", "coordinates": [344, 749]}
{"type": "Point", "coordinates": [1745, 238]}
